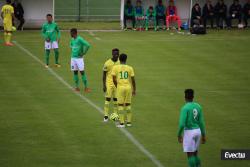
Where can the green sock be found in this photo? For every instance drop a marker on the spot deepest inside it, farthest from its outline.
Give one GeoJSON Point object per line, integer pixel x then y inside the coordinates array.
{"type": "Point", "coordinates": [198, 161]}
{"type": "Point", "coordinates": [147, 23]}
{"type": "Point", "coordinates": [192, 161]}
{"type": "Point", "coordinates": [56, 56]}
{"type": "Point", "coordinates": [84, 80]}
{"type": "Point", "coordinates": [76, 79]}
{"type": "Point", "coordinates": [47, 53]}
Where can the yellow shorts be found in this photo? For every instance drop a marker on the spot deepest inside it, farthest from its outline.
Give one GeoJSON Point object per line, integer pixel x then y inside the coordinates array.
{"type": "Point", "coordinates": [111, 91]}
{"type": "Point", "coordinates": [124, 94]}
{"type": "Point", "coordinates": [7, 25]}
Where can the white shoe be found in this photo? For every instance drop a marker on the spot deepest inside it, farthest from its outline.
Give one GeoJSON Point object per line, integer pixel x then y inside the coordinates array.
{"type": "Point", "coordinates": [120, 126]}
{"type": "Point", "coordinates": [105, 119]}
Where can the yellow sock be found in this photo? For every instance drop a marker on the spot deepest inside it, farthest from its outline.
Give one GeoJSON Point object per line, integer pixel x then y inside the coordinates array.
{"type": "Point", "coordinates": [121, 114]}
{"type": "Point", "coordinates": [5, 37]}
{"type": "Point", "coordinates": [115, 107]}
{"type": "Point", "coordinates": [106, 108]}
{"type": "Point", "coordinates": [129, 113]}
{"type": "Point", "coordinates": [8, 39]}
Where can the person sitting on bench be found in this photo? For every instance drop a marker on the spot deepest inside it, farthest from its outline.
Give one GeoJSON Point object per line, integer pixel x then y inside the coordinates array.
{"type": "Point", "coordinates": [172, 16]}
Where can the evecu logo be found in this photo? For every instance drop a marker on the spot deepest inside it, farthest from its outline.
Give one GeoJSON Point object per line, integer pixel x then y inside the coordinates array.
{"type": "Point", "coordinates": [235, 154]}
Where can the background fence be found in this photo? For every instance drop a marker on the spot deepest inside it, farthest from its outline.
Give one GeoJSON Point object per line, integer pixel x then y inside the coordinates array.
{"type": "Point", "coordinates": [87, 10]}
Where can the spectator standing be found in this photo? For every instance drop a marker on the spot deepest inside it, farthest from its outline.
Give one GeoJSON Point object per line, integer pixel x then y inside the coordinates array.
{"type": "Point", "coordinates": [19, 13]}
{"type": "Point", "coordinates": [220, 13]}
{"type": "Point", "coordinates": [246, 12]}
{"type": "Point", "coordinates": [208, 14]}
{"type": "Point", "coordinates": [235, 12]}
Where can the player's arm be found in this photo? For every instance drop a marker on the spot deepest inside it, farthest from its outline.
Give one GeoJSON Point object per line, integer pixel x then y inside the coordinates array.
{"type": "Point", "coordinates": [134, 86]}
{"type": "Point", "coordinates": [167, 11]}
{"type": "Point", "coordinates": [86, 46]}
{"type": "Point", "coordinates": [44, 33]}
{"type": "Point", "coordinates": [175, 11]}
{"type": "Point", "coordinates": [2, 15]}
{"type": "Point", "coordinates": [202, 127]}
{"type": "Point", "coordinates": [58, 33]}
{"type": "Point", "coordinates": [182, 121]}
{"type": "Point", "coordinates": [12, 13]}
{"type": "Point", "coordinates": [133, 81]}
{"type": "Point", "coordinates": [104, 77]}
{"type": "Point", "coordinates": [115, 81]}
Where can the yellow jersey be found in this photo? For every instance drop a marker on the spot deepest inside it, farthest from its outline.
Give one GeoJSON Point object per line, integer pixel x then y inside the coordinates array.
{"type": "Point", "coordinates": [108, 66]}
{"type": "Point", "coordinates": [7, 11]}
{"type": "Point", "coordinates": [123, 74]}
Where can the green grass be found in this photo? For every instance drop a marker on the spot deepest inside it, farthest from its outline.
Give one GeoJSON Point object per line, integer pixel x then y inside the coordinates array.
{"type": "Point", "coordinates": [44, 124]}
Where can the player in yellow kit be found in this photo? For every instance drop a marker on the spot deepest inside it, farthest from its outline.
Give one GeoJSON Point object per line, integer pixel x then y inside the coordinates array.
{"type": "Point", "coordinates": [108, 85]}
{"type": "Point", "coordinates": [124, 80]}
{"type": "Point", "coordinates": [7, 14]}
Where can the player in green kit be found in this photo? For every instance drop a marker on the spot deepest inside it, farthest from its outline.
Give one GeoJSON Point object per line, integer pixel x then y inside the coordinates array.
{"type": "Point", "coordinates": [79, 48]}
{"type": "Point", "coordinates": [51, 35]}
{"type": "Point", "coordinates": [192, 123]}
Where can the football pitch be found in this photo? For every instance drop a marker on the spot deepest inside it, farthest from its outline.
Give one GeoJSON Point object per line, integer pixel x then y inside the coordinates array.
{"type": "Point", "coordinates": [43, 123]}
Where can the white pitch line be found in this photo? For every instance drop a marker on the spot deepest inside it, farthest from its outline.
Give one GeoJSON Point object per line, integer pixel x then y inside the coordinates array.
{"type": "Point", "coordinates": [97, 38]}
{"type": "Point", "coordinates": [91, 33]}
{"type": "Point", "coordinates": [124, 131]}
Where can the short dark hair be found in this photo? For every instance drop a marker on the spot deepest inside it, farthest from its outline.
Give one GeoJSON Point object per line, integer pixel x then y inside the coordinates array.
{"type": "Point", "coordinates": [49, 15]}
{"type": "Point", "coordinates": [151, 7]}
{"type": "Point", "coordinates": [123, 57]}
{"type": "Point", "coordinates": [8, 1]}
{"type": "Point", "coordinates": [189, 94]}
{"type": "Point", "coordinates": [73, 30]}
{"type": "Point", "coordinates": [115, 50]}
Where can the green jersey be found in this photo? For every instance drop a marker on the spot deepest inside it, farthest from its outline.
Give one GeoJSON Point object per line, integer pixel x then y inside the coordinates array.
{"type": "Point", "coordinates": [191, 118]}
{"type": "Point", "coordinates": [129, 10]}
{"type": "Point", "coordinates": [139, 11]}
{"type": "Point", "coordinates": [51, 31]}
{"type": "Point", "coordinates": [79, 47]}
{"type": "Point", "coordinates": [149, 14]}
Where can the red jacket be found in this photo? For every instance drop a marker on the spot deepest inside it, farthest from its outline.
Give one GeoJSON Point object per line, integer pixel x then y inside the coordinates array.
{"type": "Point", "coordinates": [171, 10]}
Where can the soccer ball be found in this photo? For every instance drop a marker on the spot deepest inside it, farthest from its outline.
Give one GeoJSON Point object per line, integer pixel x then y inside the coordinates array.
{"type": "Point", "coordinates": [114, 116]}
{"type": "Point", "coordinates": [13, 28]}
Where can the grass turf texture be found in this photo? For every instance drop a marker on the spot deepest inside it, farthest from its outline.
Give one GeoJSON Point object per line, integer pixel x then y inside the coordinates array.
{"type": "Point", "coordinates": [43, 123]}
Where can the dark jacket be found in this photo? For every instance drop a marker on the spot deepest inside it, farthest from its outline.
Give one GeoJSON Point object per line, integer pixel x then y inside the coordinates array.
{"type": "Point", "coordinates": [196, 13]}
{"type": "Point", "coordinates": [206, 11]}
{"type": "Point", "coordinates": [221, 9]}
{"type": "Point", "coordinates": [246, 9]}
{"type": "Point", "coordinates": [18, 10]}
{"type": "Point", "coordinates": [235, 8]}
